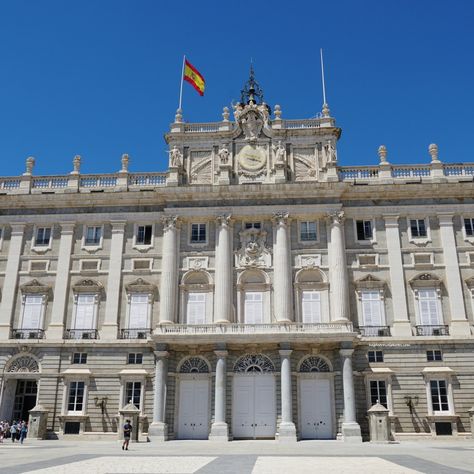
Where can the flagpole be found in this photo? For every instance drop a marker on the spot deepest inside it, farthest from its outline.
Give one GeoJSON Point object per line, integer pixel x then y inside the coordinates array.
{"type": "Point", "coordinates": [322, 76]}
{"type": "Point", "coordinates": [181, 86]}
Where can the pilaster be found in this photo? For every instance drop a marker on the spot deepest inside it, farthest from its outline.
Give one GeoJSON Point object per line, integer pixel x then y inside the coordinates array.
{"type": "Point", "coordinates": [158, 430]}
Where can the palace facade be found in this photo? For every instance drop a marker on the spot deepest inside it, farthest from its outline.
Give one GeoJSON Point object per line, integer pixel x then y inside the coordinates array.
{"type": "Point", "coordinates": [256, 289]}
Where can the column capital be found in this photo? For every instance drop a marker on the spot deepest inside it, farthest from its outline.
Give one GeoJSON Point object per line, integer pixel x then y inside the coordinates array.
{"type": "Point", "coordinates": [224, 220]}
{"type": "Point", "coordinates": [67, 227]}
{"type": "Point", "coordinates": [285, 352]}
{"type": "Point", "coordinates": [17, 228]}
{"type": "Point", "coordinates": [281, 218]}
{"type": "Point", "coordinates": [346, 352]}
{"type": "Point", "coordinates": [161, 354]}
{"type": "Point", "coordinates": [445, 219]}
{"type": "Point", "coordinates": [391, 220]}
{"type": "Point", "coordinates": [336, 217]}
{"type": "Point", "coordinates": [170, 222]}
{"type": "Point", "coordinates": [118, 225]}
{"type": "Point", "coordinates": [221, 353]}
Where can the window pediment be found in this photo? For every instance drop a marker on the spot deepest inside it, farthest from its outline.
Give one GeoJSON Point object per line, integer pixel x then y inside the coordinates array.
{"type": "Point", "coordinates": [34, 287]}
{"type": "Point", "coordinates": [369, 282]}
{"type": "Point", "coordinates": [426, 280]}
{"type": "Point", "coordinates": [88, 286]}
{"type": "Point", "coordinates": [141, 286]}
{"type": "Point", "coordinates": [470, 283]}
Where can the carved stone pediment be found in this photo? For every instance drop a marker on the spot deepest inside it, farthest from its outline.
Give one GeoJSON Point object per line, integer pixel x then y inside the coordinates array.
{"type": "Point", "coordinates": [369, 282]}
{"type": "Point", "coordinates": [253, 251]}
{"type": "Point", "coordinates": [251, 119]}
{"type": "Point", "coordinates": [88, 286]}
{"type": "Point", "coordinates": [141, 286]}
{"type": "Point", "coordinates": [35, 287]}
{"type": "Point", "coordinates": [426, 280]}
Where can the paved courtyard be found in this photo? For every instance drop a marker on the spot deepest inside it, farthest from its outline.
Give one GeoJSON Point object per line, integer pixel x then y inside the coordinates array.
{"type": "Point", "coordinates": [242, 457]}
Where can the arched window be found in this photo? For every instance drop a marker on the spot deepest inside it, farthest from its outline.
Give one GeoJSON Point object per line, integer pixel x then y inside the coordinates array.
{"type": "Point", "coordinates": [312, 296]}
{"type": "Point", "coordinates": [254, 363]}
{"type": "Point", "coordinates": [314, 364]}
{"type": "Point", "coordinates": [194, 365]}
{"type": "Point", "coordinates": [196, 298]}
{"type": "Point", "coordinates": [253, 297]}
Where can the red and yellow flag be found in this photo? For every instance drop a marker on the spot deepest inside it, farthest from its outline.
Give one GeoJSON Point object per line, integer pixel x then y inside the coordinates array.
{"type": "Point", "coordinates": [194, 77]}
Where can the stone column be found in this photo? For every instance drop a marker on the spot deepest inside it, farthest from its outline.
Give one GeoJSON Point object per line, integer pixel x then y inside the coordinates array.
{"type": "Point", "coordinates": [220, 429]}
{"type": "Point", "coordinates": [338, 279]}
{"type": "Point", "coordinates": [10, 283]}
{"type": "Point", "coordinates": [169, 271]}
{"type": "Point", "coordinates": [287, 430]}
{"type": "Point", "coordinates": [109, 328]}
{"type": "Point", "coordinates": [224, 271]}
{"type": "Point", "coordinates": [158, 430]}
{"type": "Point", "coordinates": [282, 269]}
{"type": "Point", "coordinates": [55, 329]}
{"type": "Point", "coordinates": [401, 322]}
{"type": "Point", "coordinates": [459, 324]}
{"type": "Point", "coordinates": [350, 427]}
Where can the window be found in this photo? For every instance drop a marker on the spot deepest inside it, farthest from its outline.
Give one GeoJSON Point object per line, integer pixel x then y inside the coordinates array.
{"type": "Point", "coordinates": [364, 230]}
{"type": "Point", "coordinates": [93, 235]}
{"type": "Point", "coordinates": [308, 231]}
{"type": "Point", "coordinates": [468, 228]}
{"type": "Point", "coordinates": [375, 356]}
{"type": "Point", "coordinates": [196, 308]}
{"type": "Point", "coordinates": [138, 311]}
{"type": "Point", "coordinates": [43, 236]}
{"type": "Point", "coordinates": [434, 355]}
{"type": "Point", "coordinates": [428, 307]}
{"type": "Point", "coordinates": [418, 228]}
{"type": "Point", "coordinates": [85, 312]}
{"type": "Point", "coordinates": [32, 312]}
{"type": "Point", "coordinates": [79, 358]}
{"type": "Point", "coordinates": [371, 308]}
{"type": "Point", "coordinates": [135, 358]}
{"type": "Point", "coordinates": [253, 307]}
{"type": "Point", "coordinates": [311, 304]}
{"type": "Point", "coordinates": [439, 396]}
{"type": "Point", "coordinates": [378, 392]}
{"type": "Point", "coordinates": [133, 393]}
{"type": "Point", "coordinates": [253, 225]}
{"type": "Point", "coordinates": [76, 396]}
{"type": "Point", "coordinates": [144, 235]}
{"type": "Point", "coordinates": [198, 233]}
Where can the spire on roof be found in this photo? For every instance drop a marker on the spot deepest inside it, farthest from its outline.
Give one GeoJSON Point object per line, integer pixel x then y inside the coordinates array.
{"type": "Point", "coordinates": [252, 93]}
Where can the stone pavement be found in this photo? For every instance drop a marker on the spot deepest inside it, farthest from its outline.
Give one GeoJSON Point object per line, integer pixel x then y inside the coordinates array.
{"type": "Point", "coordinates": [240, 457]}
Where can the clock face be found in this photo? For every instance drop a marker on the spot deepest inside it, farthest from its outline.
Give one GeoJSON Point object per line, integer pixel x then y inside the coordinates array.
{"type": "Point", "coordinates": [251, 159]}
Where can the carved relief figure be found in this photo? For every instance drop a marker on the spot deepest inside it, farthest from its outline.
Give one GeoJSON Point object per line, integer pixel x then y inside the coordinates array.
{"type": "Point", "coordinates": [330, 152]}
{"type": "Point", "coordinates": [223, 154]}
{"type": "Point", "coordinates": [253, 251]}
{"type": "Point", "coordinates": [280, 153]}
{"type": "Point", "coordinates": [175, 157]}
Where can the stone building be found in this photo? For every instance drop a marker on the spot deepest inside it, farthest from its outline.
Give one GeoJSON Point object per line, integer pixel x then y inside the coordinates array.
{"type": "Point", "coordinates": [256, 289]}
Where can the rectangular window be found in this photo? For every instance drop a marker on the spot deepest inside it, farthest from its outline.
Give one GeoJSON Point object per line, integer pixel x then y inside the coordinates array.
{"type": "Point", "coordinates": [76, 397]}
{"type": "Point", "coordinates": [198, 233]}
{"type": "Point", "coordinates": [85, 312]}
{"type": "Point", "coordinates": [135, 358]}
{"type": "Point", "coordinates": [43, 236]}
{"type": "Point", "coordinates": [253, 307]}
{"type": "Point", "coordinates": [371, 308]}
{"type": "Point", "coordinates": [253, 225]}
{"type": "Point", "coordinates": [144, 235]}
{"type": "Point", "coordinates": [378, 392]}
{"type": "Point", "coordinates": [435, 355]}
{"type": "Point", "coordinates": [32, 311]}
{"type": "Point", "coordinates": [132, 393]}
{"type": "Point", "coordinates": [439, 396]}
{"type": "Point", "coordinates": [428, 307]}
{"type": "Point", "coordinates": [364, 230]}
{"type": "Point", "coordinates": [308, 231]}
{"type": "Point", "coordinates": [418, 228]}
{"type": "Point", "coordinates": [311, 305]}
{"type": "Point", "coordinates": [375, 356]}
{"type": "Point", "coordinates": [93, 235]}
{"type": "Point", "coordinates": [469, 226]}
{"type": "Point", "coordinates": [79, 358]}
{"type": "Point", "coordinates": [138, 317]}
{"type": "Point", "coordinates": [196, 308]}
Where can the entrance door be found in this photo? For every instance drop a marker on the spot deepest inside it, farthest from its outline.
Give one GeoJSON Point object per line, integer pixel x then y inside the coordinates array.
{"type": "Point", "coordinates": [254, 406]}
{"type": "Point", "coordinates": [193, 411]}
{"type": "Point", "coordinates": [316, 408]}
{"type": "Point", "coordinates": [25, 399]}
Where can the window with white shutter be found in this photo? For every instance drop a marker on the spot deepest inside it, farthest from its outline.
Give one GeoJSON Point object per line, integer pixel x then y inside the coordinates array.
{"type": "Point", "coordinates": [253, 307]}
{"type": "Point", "coordinates": [311, 305]}
{"type": "Point", "coordinates": [32, 312]}
{"type": "Point", "coordinates": [196, 308]}
{"type": "Point", "coordinates": [138, 316]}
{"type": "Point", "coordinates": [371, 308]}
{"type": "Point", "coordinates": [428, 307]}
{"type": "Point", "coordinates": [85, 312]}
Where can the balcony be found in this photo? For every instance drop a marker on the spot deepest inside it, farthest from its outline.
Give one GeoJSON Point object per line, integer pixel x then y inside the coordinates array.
{"type": "Point", "coordinates": [141, 333]}
{"type": "Point", "coordinates": [438, 330]}
{"type": "Point", "coordinates": [27, 334]}
{"type": "Point", "coordinates": [374, 331]}
{"type": "Point", "coordinates": [81, 334]}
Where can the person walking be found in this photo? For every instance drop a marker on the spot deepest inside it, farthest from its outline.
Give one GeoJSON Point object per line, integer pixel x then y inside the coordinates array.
{"type": "Point", "coordinates": [127, 433]}
{"type": "Point", "coordinates": [13, 431]}
{"type": "Point", "coordinates": [23, 431]}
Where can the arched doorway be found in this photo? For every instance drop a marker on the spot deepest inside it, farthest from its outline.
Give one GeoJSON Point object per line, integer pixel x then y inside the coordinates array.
{"type": "Point", "coordinates": [316, 398]}
{"type": "Point", "coordinates": [194, 400]}
{"type": "Point", "coordinates": [254, 397]}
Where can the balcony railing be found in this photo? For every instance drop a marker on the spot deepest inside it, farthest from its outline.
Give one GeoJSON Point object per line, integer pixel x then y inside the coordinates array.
{"type": "Point", "coordinates": [374, 331]}
{"type": "Point", "coordinates": [81, 334]}
{"type": "Point", "coordinates": [237, 328]}
{"type": "Point", "coordinates": [437, 330]}
{"type": "Point", "coordinates": [27, 333]}
{"type": "Point", "coordinates": [142, 333]}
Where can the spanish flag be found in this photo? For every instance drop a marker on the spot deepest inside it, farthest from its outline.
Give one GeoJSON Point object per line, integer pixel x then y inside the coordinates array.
{"type": "Point", "coordinates": [194, 77]}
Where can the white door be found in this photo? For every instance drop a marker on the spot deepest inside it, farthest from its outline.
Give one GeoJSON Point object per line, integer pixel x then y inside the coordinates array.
{"type": "Point", "coordinates": [316, 408]}
{"type": "Point", "coordinates": [254, 406]}
{"type": "Point", "coordinates": [193, 410]}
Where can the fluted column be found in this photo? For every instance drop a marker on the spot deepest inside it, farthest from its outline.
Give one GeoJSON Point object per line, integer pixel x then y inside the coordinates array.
{"type": "Point", "coordinates": [287, 431]}
{"type": "Point", "coordinates": [224, 271]}
{"type": "Point", "coordinates": [282, 274]}
{"type": "Point", "coordinates": [10, 283]}
{"type": "Point", "coordinates": [220, 429]}
{"type": "Point", "coordinates": [158, 430]}
{"type": "Point", "coordinates": [109, 328]}
{"type": "Point", "coordinates": [169, 271]}
{"type": "Point", "coordinates": [338, 280]}
{"type": "Point", "coordinates": [55, 329]}
{"type": "Point", "coordinates": [350, 427]}
{"type": "Point", "coordinates": [459, 324]}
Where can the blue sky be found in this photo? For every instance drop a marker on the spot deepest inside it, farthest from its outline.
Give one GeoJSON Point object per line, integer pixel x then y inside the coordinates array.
{"type": "Point", "coordinates": [101, 78]}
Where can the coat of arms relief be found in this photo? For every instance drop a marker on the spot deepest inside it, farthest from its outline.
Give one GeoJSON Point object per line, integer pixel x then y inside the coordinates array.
{"type": "Point", "coordinates": [253, 251]}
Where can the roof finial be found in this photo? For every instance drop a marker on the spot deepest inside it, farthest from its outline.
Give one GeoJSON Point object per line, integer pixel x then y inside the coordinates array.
{"type": "Point", "coordinates": [325, 104]}
{"type": "Point", "coordinates": [252, 93]}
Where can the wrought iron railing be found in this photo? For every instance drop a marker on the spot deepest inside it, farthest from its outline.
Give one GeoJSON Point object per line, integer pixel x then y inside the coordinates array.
{"type": "Point", "coordinates": [141, 333]}
{"type": "Point", "coordinates": [81, 334]}
{"type": "Point", "coordinates": [374, 331]}
{"type": "Point", "coordinates": [27, 333]}
{"type": "Point", "coordinates": [432, 330]}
